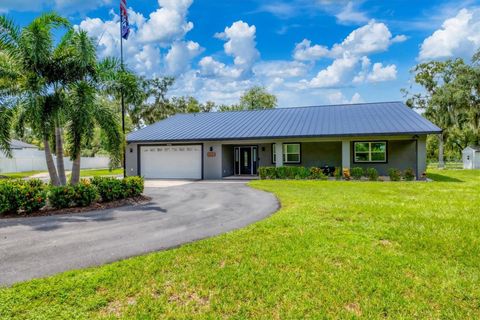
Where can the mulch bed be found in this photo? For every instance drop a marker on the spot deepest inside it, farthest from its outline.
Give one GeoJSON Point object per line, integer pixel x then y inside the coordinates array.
{"type": "Point", "coordinates": [93, 207]}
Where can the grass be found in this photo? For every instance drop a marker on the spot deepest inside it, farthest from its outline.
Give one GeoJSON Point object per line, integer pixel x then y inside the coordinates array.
{"type": "Point", "coordinates": [20, 175]}
{"type": "Point", "coordinates": [100, 172]}
{"type": "Point", "coordinates": [371, 250]}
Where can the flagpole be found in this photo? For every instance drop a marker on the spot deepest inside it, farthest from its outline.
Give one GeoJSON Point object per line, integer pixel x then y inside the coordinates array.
{"type": "Point", "coordinates": [122, 98]}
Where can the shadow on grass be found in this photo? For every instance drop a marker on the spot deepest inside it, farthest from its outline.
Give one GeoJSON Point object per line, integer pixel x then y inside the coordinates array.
{"type": "Point", "coordinates": [442, 178]}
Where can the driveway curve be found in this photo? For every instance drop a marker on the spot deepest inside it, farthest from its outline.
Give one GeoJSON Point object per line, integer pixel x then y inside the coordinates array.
{"type": "Point", "coordinates": [41, 246]}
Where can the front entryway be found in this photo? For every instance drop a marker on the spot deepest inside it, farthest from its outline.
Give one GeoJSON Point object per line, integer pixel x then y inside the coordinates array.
{"type": "Point", "coordinates": [245, 160]}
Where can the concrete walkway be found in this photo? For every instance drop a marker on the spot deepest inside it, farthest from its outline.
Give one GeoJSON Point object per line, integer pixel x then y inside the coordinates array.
{"type": "Point", "coordinates": [178, 213]}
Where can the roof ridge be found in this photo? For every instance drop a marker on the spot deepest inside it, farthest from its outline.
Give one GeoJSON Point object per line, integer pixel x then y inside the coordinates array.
{"type": "Point", "coordinates": [298, 107]}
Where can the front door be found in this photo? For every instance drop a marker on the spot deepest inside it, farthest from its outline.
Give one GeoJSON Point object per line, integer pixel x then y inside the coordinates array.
{"type": "Point", "coordinates": [245, 160]}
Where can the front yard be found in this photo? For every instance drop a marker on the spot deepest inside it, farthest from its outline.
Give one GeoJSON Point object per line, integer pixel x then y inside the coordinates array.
{"type": "Point", "coordinates": [334, 250]}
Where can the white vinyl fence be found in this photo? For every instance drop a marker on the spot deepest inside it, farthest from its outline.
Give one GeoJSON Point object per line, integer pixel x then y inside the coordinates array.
{"type": "Point", "coordinates": [32, 160]}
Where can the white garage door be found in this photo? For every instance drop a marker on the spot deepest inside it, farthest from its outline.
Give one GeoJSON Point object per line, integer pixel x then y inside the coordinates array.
{"type": "Point", "coordinates": [171, 162]}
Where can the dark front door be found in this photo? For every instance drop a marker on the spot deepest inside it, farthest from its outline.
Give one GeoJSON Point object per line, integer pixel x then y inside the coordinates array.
{"type": "Point", "coordinates": [246, 160]}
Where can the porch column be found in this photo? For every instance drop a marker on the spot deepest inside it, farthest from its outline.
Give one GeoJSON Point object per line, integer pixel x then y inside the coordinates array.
{"type": "Point", "coordinates": [421, 156]}
{"type": "Point", "coordinates": [346, 154]}
{"type": "Point", "coordinates": [279, 154]}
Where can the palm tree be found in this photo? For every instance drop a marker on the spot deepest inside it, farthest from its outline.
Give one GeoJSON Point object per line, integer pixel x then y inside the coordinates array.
{"type": "Point", "coordinates": [87, 109]}
{"type": "Point", "coordinates": [29, 52]}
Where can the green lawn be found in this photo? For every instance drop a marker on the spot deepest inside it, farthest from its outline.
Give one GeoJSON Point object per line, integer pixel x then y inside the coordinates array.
{"type": "Point", "coordinates": [398, 250]}
{"type": "Point", "coordinates": [20, 175]}
{"type": "Point", "coordinates": [100, 172]}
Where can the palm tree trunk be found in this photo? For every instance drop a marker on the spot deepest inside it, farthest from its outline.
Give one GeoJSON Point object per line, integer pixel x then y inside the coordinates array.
{"type": "Point", "coordinates": [59, 152]}
{"type": "Point", "coordinates": [441, 162]}
{"type": "Point", "coordinates": [52, 171]}
{"type": "Point", "coordinates": [76, 170]}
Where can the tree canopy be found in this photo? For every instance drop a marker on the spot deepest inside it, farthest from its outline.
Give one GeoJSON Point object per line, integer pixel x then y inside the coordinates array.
{"type": "Point", "coordinates": [450, 98]}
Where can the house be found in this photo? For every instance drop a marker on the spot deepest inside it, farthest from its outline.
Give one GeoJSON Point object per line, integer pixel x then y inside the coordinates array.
{"type": "Point", "coordinates": [21, 149]}
{"type": "Point", "coordinates": [471, 157]}
{"type": "Point", "coordinates": [221, 144]}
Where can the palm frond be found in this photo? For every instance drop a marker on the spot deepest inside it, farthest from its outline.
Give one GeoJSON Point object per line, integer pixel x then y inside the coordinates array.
{"type": "Point", "coordinates": [9, 33]}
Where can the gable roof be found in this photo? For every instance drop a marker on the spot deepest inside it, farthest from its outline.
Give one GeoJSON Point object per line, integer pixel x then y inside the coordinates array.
{"type": "Point", "coordinates": [474, 148]}
{"type": "Point", "coordinates": [383, 118]}
{"type": "Point", "coordinates": [17, 144]}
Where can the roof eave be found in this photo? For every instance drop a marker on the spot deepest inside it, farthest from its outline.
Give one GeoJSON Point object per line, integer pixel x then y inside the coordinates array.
{"type": "Point", "coordinates": [290, 137]}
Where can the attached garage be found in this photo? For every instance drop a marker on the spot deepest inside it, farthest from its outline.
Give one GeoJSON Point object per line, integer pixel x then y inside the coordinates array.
{"type": "Point", "coordinates": [171, 162]}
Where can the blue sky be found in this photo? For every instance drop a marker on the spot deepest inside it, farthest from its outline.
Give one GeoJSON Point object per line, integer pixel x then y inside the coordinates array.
{"type": "Point", "coordinates": [307, 52]}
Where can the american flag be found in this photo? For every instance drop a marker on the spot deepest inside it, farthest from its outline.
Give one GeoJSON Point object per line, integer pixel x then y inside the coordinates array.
{"type": "Point", "coordinates": [125, 29]}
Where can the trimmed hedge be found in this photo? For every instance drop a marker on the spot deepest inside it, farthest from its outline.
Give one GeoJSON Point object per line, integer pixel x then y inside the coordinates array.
{"type": "Point", "coordinates": [80, 195]}
{"type": "Point", "coordinates": [291, 173]}
{"type": "Point", "coordinates": [18, 195]}
{"type": "Point", "coordinates": [33, 195]}
{"type": "Point", "coordinates": [316, 173]}
{"type": "Point", "coordinates": [111, 188]}
{"type": "Point", "coordinates": [133, 186]}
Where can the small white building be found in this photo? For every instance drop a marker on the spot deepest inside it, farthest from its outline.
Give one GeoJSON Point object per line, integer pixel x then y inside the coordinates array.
{"type": "Point", "coordinates": [471, 157]}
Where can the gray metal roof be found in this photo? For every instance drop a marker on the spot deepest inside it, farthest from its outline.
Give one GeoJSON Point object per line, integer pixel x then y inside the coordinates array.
{"type": "Point", "coordinates": [17, 144]}
{"type": "Point", "coordinates": [383, 118]}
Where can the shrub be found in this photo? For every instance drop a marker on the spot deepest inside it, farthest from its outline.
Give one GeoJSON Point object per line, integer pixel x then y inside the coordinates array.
{"type": "Point", "coordinates": [394, 174]}
{"type": "Point", "coordinates": [61, 197]}
{"type": "Point", "coordinates": [271, 172]}
{"type": "Point", "coordinates": [346, 173]}
{"type": "Point", "coordinates": [281, 172]}
{"type": "Point", "coordinates": [317, 173]}
{"type": "Point", "coordinates": [84, 193]}
{"type": "Point", "coordinates": [372, 174]}
{"type": "Point", "coordinates": [133, 186]}
{"type": "Point", "coordinates": [409, 174]}
{"type": "Point", "coordinates": [109, 188]}
{"type": "Point", "coordinates": [8, 197]}
{"type": "Point", "coordinates": [262, 172]}
{"type": "Point", "coordinates": [28, 196]}
{"type": "Point", "coordinates": [357, 173]}
{"type": "Point", "coordinates": [338, 173]}
{"type": "Point", "coordinates": [31, 195]}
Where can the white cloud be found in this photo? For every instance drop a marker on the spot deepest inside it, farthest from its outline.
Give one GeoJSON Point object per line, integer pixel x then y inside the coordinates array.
{"type": "Point", "coordinates": [304, 51]}
{"type": "Point", "coordinates": [371, 38]}
{"type": "Point", "coordinates": [350, 14]}
{"type": "Point", "coordinates": [337, 97]}
{"type": "Point", "coordinates": [349, 55]}
{"type": "Point", "coordinates": [380, 73]}
{"type": "Point", "coordinates": [280, 69]}
{"type": "Point", "coordinates": [210, 67]}
{"type": "Point", "coordinates": [166, 24]}
{"type": "Point", "coordinates": [180, 55]}
{"type": "Point", "coordinates": [241, 44]}
{"type": "Point", "coordinates": [166, 27]}
{"type": "Point", "coordinates": [458, 36]}
{"type": "Point", "coordinates": [335, 75]}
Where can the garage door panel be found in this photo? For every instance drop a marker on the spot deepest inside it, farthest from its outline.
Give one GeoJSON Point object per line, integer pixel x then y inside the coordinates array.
{"type": "Point", "coordinates": [171, 162]}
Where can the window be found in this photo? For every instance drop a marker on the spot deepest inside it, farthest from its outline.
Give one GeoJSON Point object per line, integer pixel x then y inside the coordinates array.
{"type": "Point", "coordinates": [370, 151]}
{"type": "Point", "coordinates": [291, 153]}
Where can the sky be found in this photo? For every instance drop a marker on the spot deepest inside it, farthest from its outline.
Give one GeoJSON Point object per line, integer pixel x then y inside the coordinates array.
{"type": "Point", "coordinates": [306, 52]}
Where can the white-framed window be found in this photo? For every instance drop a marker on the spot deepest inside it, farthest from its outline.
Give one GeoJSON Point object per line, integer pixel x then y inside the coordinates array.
{"type": "Point", "coordinates": [291, 153]}
{"type": "Point", "coordinates": [370, 151]}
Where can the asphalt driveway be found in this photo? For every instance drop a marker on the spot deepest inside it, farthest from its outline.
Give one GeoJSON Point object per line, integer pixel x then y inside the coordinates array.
{"type": "Point", "coordinates": [40, 246]}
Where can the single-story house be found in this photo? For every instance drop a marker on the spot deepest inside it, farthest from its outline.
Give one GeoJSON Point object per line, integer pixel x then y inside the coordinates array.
{"type": "Point", "coordinates": [215, 145]}
{"type": "Point", "coordinates": [21, 149]}
{"type": "Point", "coordinates": [471, 157]}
